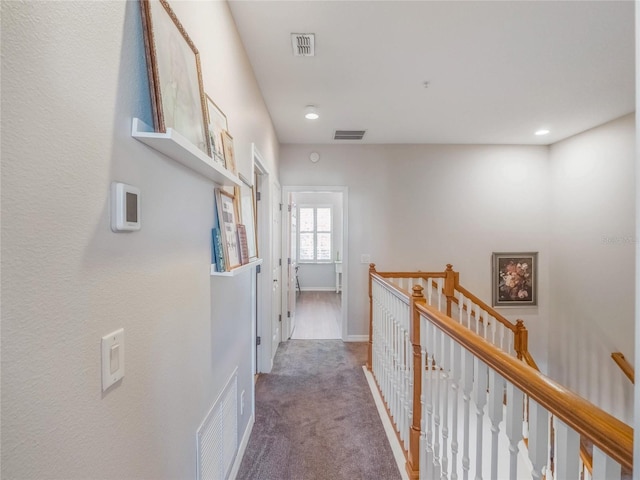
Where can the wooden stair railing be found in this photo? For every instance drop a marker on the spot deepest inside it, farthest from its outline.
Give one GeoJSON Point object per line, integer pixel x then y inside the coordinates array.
{"type": "Point", "coordinates": [613, 437]}
{"type": "Point", "coordinates": [624, 365]}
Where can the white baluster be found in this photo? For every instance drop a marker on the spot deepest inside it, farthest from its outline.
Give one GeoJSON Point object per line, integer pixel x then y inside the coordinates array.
{"type": "Point", "coordinates": [469, 310]}
{"type": "Point", "coordinates": [437, 417]}
{"type": "Point", "coordinates": [430, 400]}
{"type": "Point", "coordinates": [408, 403]}
{"type": "Point", "coordinates": [460, 307]}
{"type": "Point", "coordinates": [604, 467]}
{"type": "Point", "coordinates": [480, 398]}
{"type": "Point", "coordinates": [446, 369]}
{"type": "Point", "coordinates": [440, 286]}
{"type": "Point", "coordinates": [478, 322]}
{"type": "Point", "coordinates": [429, 290]}
{"type": "Point", "coordinates": [567, 451]}
{"type": "Point", "coordinates": [538, 438]}
{"type": "Point", "coordinates": [515, 404]}
{"type": "Point", "coordinates": [456, 372]}
{"type": "Point", "coordinates": [496, 401]}
{"type": "Point", "coordinates": [500, 336]}
{"type": "Point", "coordinates": [467, 386]}
{"type": "Point", "coordinates": [484, 326]}
{"type": "Point", "coordinates": [423, 398]}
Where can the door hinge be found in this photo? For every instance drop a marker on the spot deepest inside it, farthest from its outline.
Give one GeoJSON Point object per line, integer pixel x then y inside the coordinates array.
{"type": "Point", "coordinates": [258, 196]}
{"type": "Point", "coordinates": [258, 269]}
{"type": "Point", "coordinates": [258, 340]}
{"type": "Point", "coordinates": [279, 318]}
{"type": "Point", "coordinates": [288, 314]}
{"type": "Point", "coordinates": [280, 207]}
{"type": "Point", "coordinates": [279, 262]}
{"type": "Point", "coordinates": [289, 261]}
{"type": "Point", "coordinates": [289, 208]}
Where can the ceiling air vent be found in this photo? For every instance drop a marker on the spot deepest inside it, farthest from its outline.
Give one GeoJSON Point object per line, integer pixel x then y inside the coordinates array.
{"type": "Point", "coordinates": [349, 134]}
{"type": "Point", "coordinates": [304, 44]}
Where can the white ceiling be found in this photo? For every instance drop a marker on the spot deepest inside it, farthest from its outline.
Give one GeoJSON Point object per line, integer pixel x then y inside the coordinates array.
{"type": "Point", "coordinates": [498, 71]}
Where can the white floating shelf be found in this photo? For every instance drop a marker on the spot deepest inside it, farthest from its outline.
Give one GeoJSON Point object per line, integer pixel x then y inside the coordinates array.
{"type": "Point", "coordinates": [236, 270]}
{"type": "Point", "coordinates": [178, 148]}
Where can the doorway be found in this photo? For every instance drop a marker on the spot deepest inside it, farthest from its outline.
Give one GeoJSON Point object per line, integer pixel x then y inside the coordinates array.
{"type": "Point", "coordinates": [268, 329]}
{"type": "Point", "coordinates": [316, 237]}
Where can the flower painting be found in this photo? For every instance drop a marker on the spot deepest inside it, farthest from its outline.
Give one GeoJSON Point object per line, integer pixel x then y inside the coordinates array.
{"type": "Point", "coordinates": [514, 279]}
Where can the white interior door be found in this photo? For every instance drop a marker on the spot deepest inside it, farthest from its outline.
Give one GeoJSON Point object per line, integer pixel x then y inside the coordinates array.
{"type": "Point", "coordinates": [276, 263]}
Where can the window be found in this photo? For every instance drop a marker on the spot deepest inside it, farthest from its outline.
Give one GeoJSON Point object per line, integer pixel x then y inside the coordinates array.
{"type": "Point", "coordinates": [315, 232]}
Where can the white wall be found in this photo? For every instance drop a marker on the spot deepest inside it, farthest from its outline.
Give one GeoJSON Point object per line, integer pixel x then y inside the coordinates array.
{"type": "Point", "coordinates": [423, 206]}
{"type": "Point", "coordinates": [73, 77]}
{"type": "Point", "coordinates": [322, 276]}
{"type": "Point", "coordinates": [592, 256]}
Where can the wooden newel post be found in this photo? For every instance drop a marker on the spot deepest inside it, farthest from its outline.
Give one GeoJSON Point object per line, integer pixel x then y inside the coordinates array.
{"type": "Point", "coordinates": [372, 270]}
{"type": "Point", "coordinates": [450, 284]}
{"type": "Point", "coordinates": [521, 339]}
{"type": "Point", "coordinates": [413, 457]}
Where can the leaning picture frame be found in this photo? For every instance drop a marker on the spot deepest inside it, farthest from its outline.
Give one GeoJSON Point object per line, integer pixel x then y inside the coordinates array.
{"type": "Point", "coordinates": [514, 279]}
{"type": "Point", "coordinates": [247, 206]}
{"type": "Point", "coordinates": [216, 123]}
{"type": "Point", "coordinates": [229, 154]}
{"type": "Point", "coordinates": [227, 207]}
{"type": "Point", "coordinates": [175, 77]}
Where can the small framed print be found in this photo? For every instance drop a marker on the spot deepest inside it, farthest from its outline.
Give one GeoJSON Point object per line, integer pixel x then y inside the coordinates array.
{"type": "Point", "coordinates": [247, 205]}
{"type": "Point", "coordinates": [229, 154]}
{"type": "Point", "coordinates": [514, 279]}
{"type": "Point", "coordinates": [217, 123]}
{"type": "Point", "coordinates": [228, 218]}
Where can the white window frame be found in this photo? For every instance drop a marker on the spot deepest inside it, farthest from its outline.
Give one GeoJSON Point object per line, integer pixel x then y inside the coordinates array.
{"type": "Point", "coordinates": [315, 234]}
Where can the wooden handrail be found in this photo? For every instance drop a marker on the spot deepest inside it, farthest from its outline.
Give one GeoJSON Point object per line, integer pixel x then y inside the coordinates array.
{"type": "Point", "coordinates": [624, 365]}
{"type": "Point", "coordinates": [399, 291]}
{"type": "Point", "coordinates": [418, 274]}
{"type": "Point", "coordinates": [486, 307]}
{"type": "Point", "coordinates": [612, 436]}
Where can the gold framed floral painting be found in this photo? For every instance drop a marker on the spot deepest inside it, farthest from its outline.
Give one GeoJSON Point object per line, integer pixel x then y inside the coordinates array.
{"type": "Point", "coordinates": [514, 279]}
{"type": "Point", "coordinates": [175, 77]}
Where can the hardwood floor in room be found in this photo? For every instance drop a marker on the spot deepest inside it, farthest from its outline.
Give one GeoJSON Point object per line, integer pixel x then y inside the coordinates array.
{"type": "Point", "coordinates": [317, 316]}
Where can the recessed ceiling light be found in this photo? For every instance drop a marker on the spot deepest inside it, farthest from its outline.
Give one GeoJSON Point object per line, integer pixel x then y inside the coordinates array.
{"type": "Point", "coordinates": [311, 112]}
{"type": "Point", "coordinates": [542, 132]}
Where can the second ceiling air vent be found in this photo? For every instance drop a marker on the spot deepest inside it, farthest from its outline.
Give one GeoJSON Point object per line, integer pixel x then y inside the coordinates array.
{"type": "Point", "coordinates": [349, 134]}
{"type": "Point", "coordinates": [304, 44]}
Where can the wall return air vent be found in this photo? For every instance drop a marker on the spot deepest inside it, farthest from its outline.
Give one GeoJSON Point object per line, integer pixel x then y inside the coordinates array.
{"type": "Point", "coordinates": [304, 44]}
{"type": "Point", "coordinates": [349, 134]}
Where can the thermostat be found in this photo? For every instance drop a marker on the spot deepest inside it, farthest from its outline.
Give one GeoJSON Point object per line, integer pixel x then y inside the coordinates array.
{"type": "Point", "coordinates": [125, 207]}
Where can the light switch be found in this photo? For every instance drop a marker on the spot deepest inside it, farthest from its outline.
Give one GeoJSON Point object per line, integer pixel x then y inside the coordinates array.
{"type": "Point", "coordinates": [112, 358]}
{"type": "Point", "coordinates": [114, 362]}
{"type": "Point", "coordinates": [365, 258]}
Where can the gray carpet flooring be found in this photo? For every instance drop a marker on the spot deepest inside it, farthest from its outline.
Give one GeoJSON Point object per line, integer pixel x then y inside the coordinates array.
{"type": "Point", "coordinates": [316, 418]}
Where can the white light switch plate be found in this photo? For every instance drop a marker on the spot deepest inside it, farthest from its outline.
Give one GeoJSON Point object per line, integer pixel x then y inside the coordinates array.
{"type": "Point", "coordinates": [112, 358]}
{"type": "Point", "coordinates": [365, 258]}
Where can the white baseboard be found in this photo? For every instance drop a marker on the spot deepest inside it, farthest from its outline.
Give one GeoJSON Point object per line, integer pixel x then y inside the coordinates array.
{"type": "Point", "coordinates": [318, 289]}
{"type": "Point", "coordinates": [389, 429]}
{"type": "Point", "coordinates": [357, 338]}
{"type": "Point", "coordinates": [243, 447]}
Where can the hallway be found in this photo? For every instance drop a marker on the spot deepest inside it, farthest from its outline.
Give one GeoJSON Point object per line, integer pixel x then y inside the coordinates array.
{"type": "Point", "coordinates": [316, 418]}
{"type": "Point", "coordinates": [317, 316]}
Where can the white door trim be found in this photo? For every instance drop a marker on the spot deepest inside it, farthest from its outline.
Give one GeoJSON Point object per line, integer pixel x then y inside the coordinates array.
{"type": "Point", "coordinates": [265, 350]}
{"type": "Point", "coordinates": [345, 241]}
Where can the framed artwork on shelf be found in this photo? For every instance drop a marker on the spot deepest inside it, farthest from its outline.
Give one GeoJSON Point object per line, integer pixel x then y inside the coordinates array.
{"type": "Point", "coordinates": [229, 155]}
{"type": "Point", "coordinates": [242, 242]}
{"type": "Point", "coordinates": [514, 279]}
{"type": "Point", "coordinates": [228, 220]}
{"type": "Point", "coordinates": [248, 215]}
{"type": "Point", "coordinates": [217, 123]}
{"type": "Point", "coordinates": [175, 77]}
